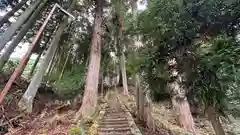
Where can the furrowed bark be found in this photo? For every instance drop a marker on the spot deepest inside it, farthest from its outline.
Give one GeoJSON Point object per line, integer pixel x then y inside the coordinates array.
{"type": "Point", "coordinates": [91, 87]}
{"type": "Point", "coordinates": [179, 100]}
{"type": "Point", "coordinates": [121, 54]}
{"type": "Point", "coordinates": [214, 119]}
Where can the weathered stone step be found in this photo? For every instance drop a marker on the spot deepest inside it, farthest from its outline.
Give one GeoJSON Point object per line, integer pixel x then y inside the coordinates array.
{"type": "Point", "coordinates": [114, 111]}
{"type": "Point", "coordinates": [114, 126]}
{"type": "Point", "coordinates": [115, 119]}
{"type": "Point", "coordinates": [113, 122]}
{"type": "Point", "coordinates": [114, 133]}
{"type": "Point", "coordinates": [120, 130]}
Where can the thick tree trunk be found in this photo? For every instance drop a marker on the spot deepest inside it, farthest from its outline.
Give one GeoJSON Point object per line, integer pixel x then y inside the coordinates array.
{"type": "Point", "coordinates": [11, 13]}
{"type": "Point", "coordinates": [214, 119]}
{"type": "Point", "coordinates": [182, 108]}
{"type": "Point", "coordinates": [124, 75]}
{"type": "Point", "coordinates": [91, 87]}
{"type": "Point", "coordinates": [121, 54]}
{"type": "Point", "coordinates": [136, 76]}
{"type": "Point", "coordinates": [102, 81]}
{"type": "Point", "coordinates": [26, 101]}
{"type": "Point", "coordinates": [10, 48]}
{"type": "Point", "coordinates": [7, 35]}
{"type": "Point", "coordinates": [134, 8]}
{"type": "Point", "coordinates": [141, 104]}
{"type": "Point", "coordinates": [137, 95]}
{"type": "Point", "coordinates": [179, 100]}
{"type": "Point", "coordinates": [120, 81]}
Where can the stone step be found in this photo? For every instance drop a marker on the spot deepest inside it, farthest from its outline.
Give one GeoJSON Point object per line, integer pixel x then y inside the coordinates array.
{"type": "Point", "coordinates": [114, 133]}
{"type": "Point", "coordinates": [115, 119]}
{"type": "Point", "coordinates": [113, 122]}
{"type": "Point", "coordinates": [114, 111]}
{"type": "Point", "coordinates": [126, 129]}
{"type": "Point", "coordinates": [114, 126]}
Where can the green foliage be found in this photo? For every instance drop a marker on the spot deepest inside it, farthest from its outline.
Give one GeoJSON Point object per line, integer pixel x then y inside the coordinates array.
{"type": "Point", "coordinates": [10, 66]}
{"type": "Point", "coordinates": [72, 82]}
{"type": "Point", "coordinates": [169, 28]}
{"type": "Point", "coordinates": [75, 131]}
{"type": "Point", "coordinates": [217, 71]}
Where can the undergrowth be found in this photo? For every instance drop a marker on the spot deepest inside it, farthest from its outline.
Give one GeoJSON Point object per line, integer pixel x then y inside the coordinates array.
{"type": "Point", "coordinates": [76, 131]}
{"type": "Point", "coordinates": [71, 83]}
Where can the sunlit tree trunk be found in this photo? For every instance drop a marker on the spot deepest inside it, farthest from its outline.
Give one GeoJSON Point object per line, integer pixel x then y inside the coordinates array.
{"type": "Point", "coordinates": [10, 48]}
{"type": "Point", "coordinates": [91, 87]}
{"type": "Point", "coordinates": [135, 75]}
{"type": "Point", "coordinates": [120, 46]}
{"type": "Point", "coordinates": [7, 35]}
{"type": "Point", "coordinates": [11, 13]}
{"type": "Point", "coordinates": [179, 100]}
{"type": "Point", "coordinates": [102, 81]}
{"type": "Point", "coordinates": [26, 101]}
{"type": "Point", "coordinates": [213, 117]}
{"type": "Point", "coordinates": [124, 75]}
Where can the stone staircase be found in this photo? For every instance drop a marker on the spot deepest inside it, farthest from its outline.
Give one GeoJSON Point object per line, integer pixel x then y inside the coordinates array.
{"type": "Point", "coordinates": [117, 120]}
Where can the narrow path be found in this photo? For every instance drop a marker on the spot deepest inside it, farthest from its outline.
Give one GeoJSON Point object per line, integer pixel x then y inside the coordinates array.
{"type": "Point", "coordinates": [115, 120]}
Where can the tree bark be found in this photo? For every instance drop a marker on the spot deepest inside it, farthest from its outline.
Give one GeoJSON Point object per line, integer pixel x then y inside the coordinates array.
{"type": "Point", "coordinates": [182, 108]}
{"type": "Point", "coordinates": [120, 80]}
{"type": "Point", "coordinates": [102, 81]}
{"type": "Point", "coordinates": [179, 100]}
{"type": "Point", "coordinates": [135, 75]}
{"type": "Point", "coordinates": [91, 87]}
{"type": "Point", "coordinates": [124, 75]}
{"type": "Point", "coordinates": [121, 53]}
{"type": "Point", "coordinates": [26, 101]}
{"type": "Point", "coordinates": [214, 119]}
{"type": "Point", "coordinates": [141, 104]}
{"type": "Point", "coordinates": [7, 35]}
{"type": "Point", "coordinates": [10, 48]}
{"type": "Point", "coordinates": [11, 13]}
{"type": "Point", "coordinates": [137, 96]}
{"type": "Point", "coordinates": [134, 9]}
